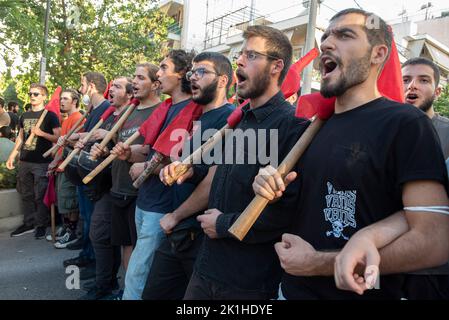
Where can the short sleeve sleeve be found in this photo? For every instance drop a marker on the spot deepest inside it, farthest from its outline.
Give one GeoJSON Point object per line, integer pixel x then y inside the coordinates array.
{"type": "Point", "coordinates": [417, 153]}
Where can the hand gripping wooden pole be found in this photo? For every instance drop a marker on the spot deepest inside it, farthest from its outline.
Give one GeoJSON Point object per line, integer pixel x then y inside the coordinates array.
{"type": "Point", "coordinates": [196, 156]}
{"type": "Point", "coordinates": [77, 150]}
{"type": "Point", "coordinates": [53, 150]}
{"type": "Point", "coordinates": [153, 163]}
{"type": "Point", "coordinates": [116, 127]}
{"type": "Point", "coordinates": [38, 125]}
{"type": "Point", "coordinates": [246, 220]}
{"type": "Point", "coordinates": [108, 160]}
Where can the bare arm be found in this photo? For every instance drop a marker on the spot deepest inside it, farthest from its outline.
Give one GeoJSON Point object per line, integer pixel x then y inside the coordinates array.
{"type": "Point", "coordinates": [15, 150]}
{"type": "Point", "coordinates": [357, 265]}
{"type": "Point", "coordinates": [426, 244]}
{"type": "Point", "coordinates": [428, 233]}
{"type": "Point", "coordinates": [196, 202]}
{"type": "Point", "coordinates": [135, 153]}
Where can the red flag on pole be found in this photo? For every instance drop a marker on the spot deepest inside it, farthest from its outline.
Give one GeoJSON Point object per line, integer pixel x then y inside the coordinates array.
{"type": "Point", "coordinates": [53, 104]}
{"type": "Point", "coordinates": [292, 81]}
{"type": "Point", "coordinates": [390, 83]}
{"type": "Point", "coordinates": [106, 92]}
{"type": "Point", "coordinates": [107, 113]}
{"type": "Point", "coordinates": [152, 126]}
{"type": "Point", "coordinates": [183, 122]}
{"type": "Point", "coordinates": [50, 193]}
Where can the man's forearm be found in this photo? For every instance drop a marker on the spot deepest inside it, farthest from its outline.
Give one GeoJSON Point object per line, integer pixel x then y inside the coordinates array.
{"type": "Point", "coordinates": [385, 231]}
{"type": "Point", "coordinates": [198, 200]}
{"type": "Point", "coordinates": [138, 154]}
{"type": "Point", "coordinates": [410, 252]}
{"type": "Point", "coordinates": [50, 137]}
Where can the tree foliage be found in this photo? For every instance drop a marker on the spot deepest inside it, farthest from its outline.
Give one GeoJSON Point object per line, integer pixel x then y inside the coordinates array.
{"type": "Point", "coordinates": [108, 36]}
{"type": "Point", "coordinates": [442, 104]}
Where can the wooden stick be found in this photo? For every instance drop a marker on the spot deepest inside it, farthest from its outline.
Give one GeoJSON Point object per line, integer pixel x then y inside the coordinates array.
{"type": "Point", "coordinates": [116, 127]}
{"type": "Point", "coordinates": [74, 129]}
{"type": "Point", "coordinates": [53, 150]}
{"type": "Point", "coordinates": [77, 150]}
{"type": "Point", "coordinates": [108, 160]}
{"type": "Point", "coordinates": [38, 125]}
{"type": "Point", "coordinates": [246, 220]}
{"type": "Point", "coordinates": [195, 157]}
{"type": "Point", "coordinates": [53, 223]}
{"type": "Point", "coordinates": [154, 162]}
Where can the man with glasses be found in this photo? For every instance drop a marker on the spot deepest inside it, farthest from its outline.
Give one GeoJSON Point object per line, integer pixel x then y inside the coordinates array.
{"type": "Point", "coordinates": [32, 176]}
{"type": "Point", "coordinates": [210, 79]}
{"type": "Point", "coordinates": [227, 268]}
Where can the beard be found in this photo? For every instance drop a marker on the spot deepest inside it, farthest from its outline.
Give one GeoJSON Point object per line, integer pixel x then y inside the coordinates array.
{"type": "Point", "coordinates": [427, 104]}
{"type": "Point", "coordinates": [357, 72]}
{"type": "Point", "coordinates": [258, 85]}
{"type": "Point", "coordinates": [207, 94]}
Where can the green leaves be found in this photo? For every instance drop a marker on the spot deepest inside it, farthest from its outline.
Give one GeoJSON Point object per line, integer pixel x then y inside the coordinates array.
{"type": "Point", "coordinates": [107, 36]}
{"type": "Point", "coordinates": [442, 104]}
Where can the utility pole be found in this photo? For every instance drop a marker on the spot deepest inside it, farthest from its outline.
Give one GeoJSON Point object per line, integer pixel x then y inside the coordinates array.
{"type": "Point", "coordinates": [251, 14]}
{"type": "Point", "coordinates": [44, 49]}
{"type": "Point", "coordinates": [310, 44]}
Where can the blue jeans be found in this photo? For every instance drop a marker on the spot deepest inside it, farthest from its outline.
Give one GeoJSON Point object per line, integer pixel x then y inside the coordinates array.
{"type": "Point", "coordinates": [86, 208]}
{"type": "Point", "coordinates": [149, 236]}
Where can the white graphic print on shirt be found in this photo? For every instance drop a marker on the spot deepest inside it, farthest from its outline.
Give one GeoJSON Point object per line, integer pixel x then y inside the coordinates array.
{"type": "Point", "coordinates": [340, 210]}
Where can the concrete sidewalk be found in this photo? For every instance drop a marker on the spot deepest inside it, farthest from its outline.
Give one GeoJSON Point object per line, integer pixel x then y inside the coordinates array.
{"type": "Point", "coordinates": [32, 269]}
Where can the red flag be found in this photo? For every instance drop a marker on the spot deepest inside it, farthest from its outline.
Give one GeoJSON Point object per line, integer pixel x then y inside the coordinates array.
{"type": "Point", "coordinates": [53, 104]}
{"type": "Point", "coordinates": [50, 193]}
{"type": "Point", "coordinates": [152, 126]}
{"type": "Point", "coordinates": [106, 92]}
{"type": "Point", "coordinates": [107, 113]}
{"type": "Point", "coordinates": [390, 83]}
{"type": "Point", "coordinates": [236, 115]}
{"type": "Point", "coordinates": [292, 81]}
{"type": "Point", "coordinates": [183, 121]}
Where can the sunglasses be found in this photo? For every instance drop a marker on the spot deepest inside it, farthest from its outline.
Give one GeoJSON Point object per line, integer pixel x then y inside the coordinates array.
{"type": "Point", "coordinates": [36, 94]}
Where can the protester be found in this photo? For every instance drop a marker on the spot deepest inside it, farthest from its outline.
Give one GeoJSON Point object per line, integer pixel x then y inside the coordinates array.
{"type": "Point", "coordinates": [172, 267]}
{"type": "Point", "coordinates": [379, 156]}
{"type": "Point", "coordinates": [32, 175]}
{"type": "Point", "coordinates": [154, 199]}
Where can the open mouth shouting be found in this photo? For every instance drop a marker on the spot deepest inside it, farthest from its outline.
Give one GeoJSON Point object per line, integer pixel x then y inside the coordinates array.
{"type": "Point", "coordinates": [328, 66]}
{"type": "Point", "coordinates": [195, 88]}
{"type": "Point", "coordinates": [241, 78]}
{"type": "Point", "coordinates": [411, 98]}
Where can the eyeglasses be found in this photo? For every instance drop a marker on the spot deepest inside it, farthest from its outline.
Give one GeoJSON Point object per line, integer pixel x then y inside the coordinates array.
{"type": "Point", "coordinates": [198, 73]}
{"type": "Point", "coordinates": [36, 94]}
{"type": "Point", "coordinates": [252, 55]}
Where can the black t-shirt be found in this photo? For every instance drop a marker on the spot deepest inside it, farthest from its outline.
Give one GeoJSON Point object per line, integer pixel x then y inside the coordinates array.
{"type": "Point", "coordinates": [214, 119]}
{"type": "Point", "coordinates": [352, 176]}
{"type": "Point", "coordinates": [39, 145]}
{"type": "Point", "coordinates": [122, 183]}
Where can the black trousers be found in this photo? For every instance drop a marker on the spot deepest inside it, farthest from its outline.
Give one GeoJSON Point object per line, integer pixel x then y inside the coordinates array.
{"type": "Point", "coordinates": [204, 288]}
{"type": "Point", "coordinates": [108, 257]}
{"type": "Point", "coordinates": [171, 271]}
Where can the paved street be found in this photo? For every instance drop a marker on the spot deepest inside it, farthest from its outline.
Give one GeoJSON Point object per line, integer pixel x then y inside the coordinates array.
{"type": "Point", "coordinates": [32, 269]}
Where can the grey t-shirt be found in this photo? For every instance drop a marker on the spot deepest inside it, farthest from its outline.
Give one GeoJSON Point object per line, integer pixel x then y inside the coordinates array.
{"type": "Point", "coordinates": [441, 125]}
{"type": "Point", "coordinates": [121, 180]}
